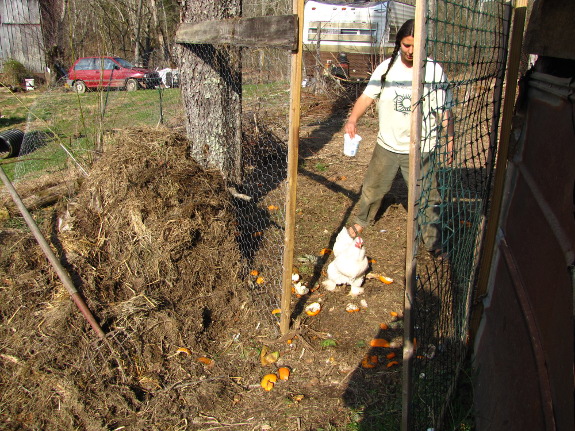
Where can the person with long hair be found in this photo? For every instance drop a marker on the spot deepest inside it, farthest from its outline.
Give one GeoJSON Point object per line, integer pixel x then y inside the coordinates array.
{"type": "Point", "coordinates": [391, 84]}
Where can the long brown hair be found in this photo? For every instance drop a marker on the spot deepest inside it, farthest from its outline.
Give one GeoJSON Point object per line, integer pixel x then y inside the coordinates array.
{"type": "Point", "coordinates": [404, 31]}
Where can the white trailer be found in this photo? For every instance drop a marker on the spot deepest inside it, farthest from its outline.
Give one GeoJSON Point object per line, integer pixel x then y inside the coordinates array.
{"type": "Point", "coordinates": [366, 27]}
{"type": "Point", "coordinates": [348, 39]}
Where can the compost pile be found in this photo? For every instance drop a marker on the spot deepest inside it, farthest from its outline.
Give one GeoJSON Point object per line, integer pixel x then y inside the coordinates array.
{"type": "Point", "coordinates": [155, 244]}
{"type": "Point", "coordinates": [143, 240]}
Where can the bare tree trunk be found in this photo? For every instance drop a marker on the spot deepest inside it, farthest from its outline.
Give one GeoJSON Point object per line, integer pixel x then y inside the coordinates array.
{"type": "Point", "coordinates": [210, 80]}
{"type": "Point", "coordinates": [160, 34]}
{"type": "Point", "coordinates": [54, 16]}
{"type": "Point", "coordinates": [138, 22]}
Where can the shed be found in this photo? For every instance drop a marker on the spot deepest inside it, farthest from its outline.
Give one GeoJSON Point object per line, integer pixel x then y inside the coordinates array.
{"type": "Point", "coordinates": [21, 34]}
{"type": "Point", "coordinates": [523, 353]}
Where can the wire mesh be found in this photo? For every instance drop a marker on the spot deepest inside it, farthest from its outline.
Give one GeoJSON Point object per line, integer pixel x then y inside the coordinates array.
{"type": "Point", "coordinates": [244, 92]}
{"type": "Point", "coordinates": [468, 39]}
{"type": "Point", "coordinates": [256, 174]}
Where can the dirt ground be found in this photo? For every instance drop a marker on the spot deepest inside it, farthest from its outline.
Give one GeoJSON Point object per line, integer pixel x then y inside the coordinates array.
{"type": "Point", "coordinates": [143, 238]}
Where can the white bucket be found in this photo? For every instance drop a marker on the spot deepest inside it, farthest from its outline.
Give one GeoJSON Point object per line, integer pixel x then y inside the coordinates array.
{"type": "Point", "coordinates": [350, 146]}
{"type": "Point", "coordinates": [29, 84]}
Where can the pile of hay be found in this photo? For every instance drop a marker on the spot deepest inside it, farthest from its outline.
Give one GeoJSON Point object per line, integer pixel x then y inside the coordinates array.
{"type": "Point", "coordinates": [149, 240]}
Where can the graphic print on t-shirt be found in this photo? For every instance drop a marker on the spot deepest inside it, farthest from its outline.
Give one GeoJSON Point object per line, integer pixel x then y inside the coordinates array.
{"type": "Point", "coordinates": [402, 103]}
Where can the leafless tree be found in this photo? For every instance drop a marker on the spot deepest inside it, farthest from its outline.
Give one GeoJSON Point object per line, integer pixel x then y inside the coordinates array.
{"type": "Point", "coordinates": [141, 31]}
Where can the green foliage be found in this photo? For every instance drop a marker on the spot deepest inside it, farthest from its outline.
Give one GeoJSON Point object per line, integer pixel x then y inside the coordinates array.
{"type": "Point", "coordinates": [328, 343]}
{"type": "Point", "coordinates": [14, 73]}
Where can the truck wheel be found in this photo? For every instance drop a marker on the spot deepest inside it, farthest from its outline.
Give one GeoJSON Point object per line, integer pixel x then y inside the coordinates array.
{"type": "Point", "coordinates": [79, 87]}
{"type": "Point", "coordinates": [131, 85]}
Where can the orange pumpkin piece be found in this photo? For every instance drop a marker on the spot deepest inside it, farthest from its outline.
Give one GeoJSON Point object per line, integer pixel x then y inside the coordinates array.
{"type": "Point", "coordinates": [283, 373]}
{"type": "Point", "coordinates": [272, 207]}
{"type": "Point", "coordinates": [383, 326]}
{"type": "Point", "coordinates": [184, 350]}
{"type": "Point", "coordinates": [390, 355]}
{"type": "Point", "coordinates": [324, 251]}
{"type": "Point", "coordinates": [379, 342]}
{"type": "Point", "coordinates": [260, 280]}
{"type": "Point", "coordinates": [369, 361]}
{"type": "Point", "coordinates": [392, 363]}
{"type": "Point", "coordinates": [393, 314]}
{"type": "Point", "coordinates": [276, 311]}
{"type": "Point", "coordinates": [254, 272]}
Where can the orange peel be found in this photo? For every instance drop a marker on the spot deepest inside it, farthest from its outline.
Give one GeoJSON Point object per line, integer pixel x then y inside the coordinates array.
{"type": "Point", "coordinates": [379, 342]}
{"type": "Point", "coordinates": [268, 381]}
{"type": "Point", "coordinates": [351, 308]}
{"type": "Point", "coordinates": [370, 361]}
{"type": "Point", "coordinates": [313, 309]}
{"type": "Point", "coordinates": [385, 280]}
{"type": "Point", "coordinates": [284, 373]}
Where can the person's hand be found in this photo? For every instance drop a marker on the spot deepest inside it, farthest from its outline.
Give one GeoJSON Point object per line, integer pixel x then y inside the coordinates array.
{"type": "Point", "coordinates": [351, 128]}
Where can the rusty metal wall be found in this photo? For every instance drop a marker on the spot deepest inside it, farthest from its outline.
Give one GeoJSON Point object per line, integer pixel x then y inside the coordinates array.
{"type": "Point", "coordinates": [21, 34]}
{"type": "Point", "coordinates": [524, 346]}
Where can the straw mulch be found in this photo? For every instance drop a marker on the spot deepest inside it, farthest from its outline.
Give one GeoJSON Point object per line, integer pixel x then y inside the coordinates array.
{"type": "Point", "coordinates": [144, 241]}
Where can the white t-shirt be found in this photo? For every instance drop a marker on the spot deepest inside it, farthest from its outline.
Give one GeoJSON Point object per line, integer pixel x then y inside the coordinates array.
{"type": "Point", "coordinates": [395, 104]}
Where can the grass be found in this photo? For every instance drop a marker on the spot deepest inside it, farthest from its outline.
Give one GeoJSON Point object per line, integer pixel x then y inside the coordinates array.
{"type": "Point", "coordinates": [60, 122]}
{"type": "Point", "coordinates": [59, 118]}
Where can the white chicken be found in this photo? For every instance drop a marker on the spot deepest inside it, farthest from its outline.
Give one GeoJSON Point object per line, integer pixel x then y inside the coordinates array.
{"type": "Point", "coordinates": [349, 265]}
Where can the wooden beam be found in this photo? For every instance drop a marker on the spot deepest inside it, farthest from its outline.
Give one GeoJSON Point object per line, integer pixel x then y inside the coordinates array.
{"type": "Point", "coordinates": [293, 146]}
{"type": "Point", "coordinates": [414, 191]}
{"type": "Point", "coordinates": [266, 31]}
{"type": "Point", "coordinates": [490, 242]}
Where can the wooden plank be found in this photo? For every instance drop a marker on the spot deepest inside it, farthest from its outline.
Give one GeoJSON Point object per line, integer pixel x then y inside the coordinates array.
{"type": "Point", "coordinates": [293, 145]}
{"type": "Point", "coordinates": [414, 190]}
{"type": "Point", "coordinates": [515, 47]}
{"type": "Point", "coordinates": [267, 31]}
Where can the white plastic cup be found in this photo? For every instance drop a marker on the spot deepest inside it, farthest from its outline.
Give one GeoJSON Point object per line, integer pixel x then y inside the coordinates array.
{"type": "Point", "coordinates": [350, 146]}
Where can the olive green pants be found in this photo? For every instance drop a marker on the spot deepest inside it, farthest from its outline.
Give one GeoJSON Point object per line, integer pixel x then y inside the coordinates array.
{"type": "Point", "coordinates": [378, 180]}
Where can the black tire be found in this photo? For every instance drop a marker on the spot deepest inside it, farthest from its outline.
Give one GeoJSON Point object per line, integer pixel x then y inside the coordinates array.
{"type": "Point", "coordinates": [132, 85]}
{"type": "Point", "coordinates": [79, 87]}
